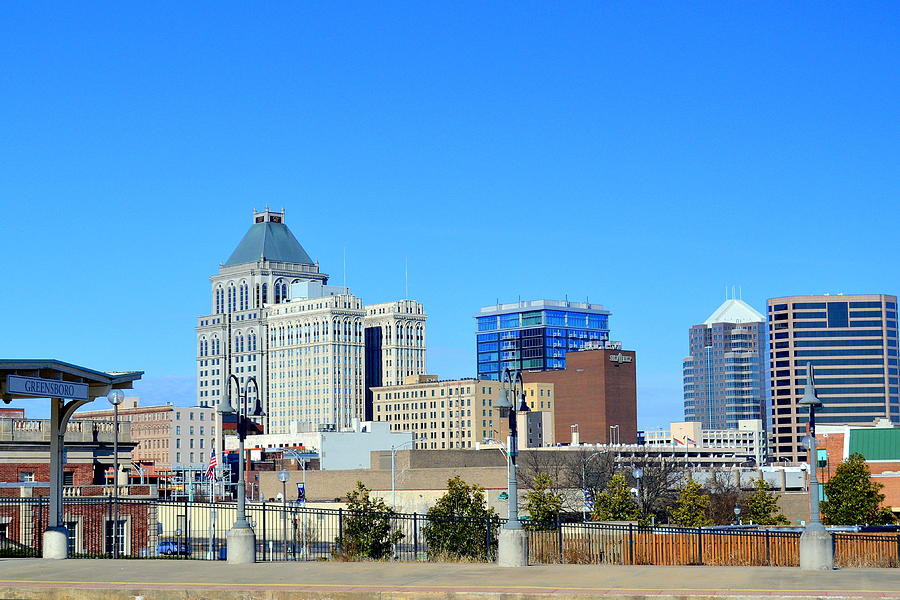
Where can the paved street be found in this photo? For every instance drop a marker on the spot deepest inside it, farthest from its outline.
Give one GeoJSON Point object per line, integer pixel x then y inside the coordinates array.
{"type": "Point", "coordinates": [161, 579]}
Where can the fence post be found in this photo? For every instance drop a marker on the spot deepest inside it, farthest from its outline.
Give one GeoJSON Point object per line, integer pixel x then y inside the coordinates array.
{"type": "Point", "coordinates": [415, 536]}
{"type": "Point", "coordinates": [109, 543]}
{"type": "Point", "coordinates": [768, 550]}
{"type": "Point", "coordinates": [340, 529]}
{"type": "Point", "coordinates": [631, 543]}
{"type": "Point", "coordinates": [264, 540]}
{"type": "Point", "coordinates": [559, 538]}
{"type": "Point", "coordinates": [187, 529]}
{"type": "Point", "coordinates": [699, 545]}
{"type": "Point", "coordinates": [40, 530]}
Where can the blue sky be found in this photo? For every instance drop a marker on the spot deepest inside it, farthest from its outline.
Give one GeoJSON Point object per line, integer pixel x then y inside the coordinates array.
{"type": "Point", "coordinates": [644, 155]}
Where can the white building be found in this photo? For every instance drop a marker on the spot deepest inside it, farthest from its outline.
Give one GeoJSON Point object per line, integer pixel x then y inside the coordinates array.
{"type": "Point", "coordinates": [395, 345]}
{"type": "Point", "coordinates": [749, 437]}
{"type": "Point", "coordinates": [346, 448]}
{"type": "Point", "coordinates": [275, 318]}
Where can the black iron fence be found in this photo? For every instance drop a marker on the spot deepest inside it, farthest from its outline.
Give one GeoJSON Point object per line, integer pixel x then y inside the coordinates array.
{"type": "Point", "coordinates": [182, 530]}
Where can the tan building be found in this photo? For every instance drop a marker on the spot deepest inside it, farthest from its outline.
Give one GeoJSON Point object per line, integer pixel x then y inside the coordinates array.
{"type": "Point", "coordinates": [167, 436]}
{"type": "Point", "coordinates": [460, 413]}
{"type": "Point", "coordinates": [851, 342]}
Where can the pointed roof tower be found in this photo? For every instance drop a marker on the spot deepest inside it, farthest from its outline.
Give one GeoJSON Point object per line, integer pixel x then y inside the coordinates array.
{"type": "Point", "coordinates": [269, 239]}
{"type": "Point", "coordinates": [734, 311]}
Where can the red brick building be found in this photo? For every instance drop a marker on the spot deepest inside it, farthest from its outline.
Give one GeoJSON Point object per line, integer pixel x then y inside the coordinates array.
{"type": "Point", "coordinates": [596, 391]}
{"type": "Point", "coordinates": [879, 443]}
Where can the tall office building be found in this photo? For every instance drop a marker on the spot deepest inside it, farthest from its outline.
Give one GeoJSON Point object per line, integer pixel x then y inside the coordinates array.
{"type": "Point", "coordinates": [275, 318]}
{"type": "Point", "coordinates": [233, 339]}
{"type": "Point", "coordinates": [395, 345]}
{"type": "Point", "coordinates": [535, 335]}
{"type": "Point", "coordinates": [724, 377]}
{"type": "Point", "coordinates": [851, 342]}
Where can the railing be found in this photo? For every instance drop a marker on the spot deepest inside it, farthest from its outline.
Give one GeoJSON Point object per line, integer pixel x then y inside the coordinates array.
{"type": "Point", "coordinates": [133, 528]}
{"type": "Point", "coordinates": [85, 430]}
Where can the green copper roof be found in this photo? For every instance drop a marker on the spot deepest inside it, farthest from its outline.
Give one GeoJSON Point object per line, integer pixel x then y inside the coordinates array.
{"type": "Point", "coordinates": [878, 443]}
{"type": "Point", "coordinates": [269, 241]}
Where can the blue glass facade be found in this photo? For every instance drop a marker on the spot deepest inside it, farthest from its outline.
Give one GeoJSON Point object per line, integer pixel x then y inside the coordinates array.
{"type": "Point", "coordinates": [535, 335]}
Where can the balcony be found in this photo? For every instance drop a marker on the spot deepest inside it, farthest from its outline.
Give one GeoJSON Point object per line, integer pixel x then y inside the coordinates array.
{"type": "Point", "coordinates": [38, 430]}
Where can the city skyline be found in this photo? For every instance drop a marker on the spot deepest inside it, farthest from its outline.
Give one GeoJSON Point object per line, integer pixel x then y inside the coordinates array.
{"type": "Point", "coordinates": [586, 151]}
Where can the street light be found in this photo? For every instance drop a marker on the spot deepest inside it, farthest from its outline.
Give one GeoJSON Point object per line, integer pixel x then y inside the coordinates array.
{"type": "Point", "coordinates": [393, 468]}
{"type": "Point", "coordinates": [614, 429]}
{"type": "Point", "coordinates": [737, 513]}
{"type": "Point", "coordinates": [512, 546]}
{"type": "Point", "coordinates": [638, 474]}
{"type": "Point", "coordinates": [283, 477]}
{"type": "Point", "coordinates": [816, 549]}
{"type": "Point", "coordinates": [115, 398]}
{"type": "Point", "coordinates": [241, 540]}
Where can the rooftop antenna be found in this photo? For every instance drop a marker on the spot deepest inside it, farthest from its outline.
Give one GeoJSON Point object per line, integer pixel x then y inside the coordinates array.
{"type": "Point", "coordinates": [732, 293]}
{"type": "Point", "coordinates": [741, 292]}
{"type": "Point", "coordinates": [345, 266]}
{"type": "Point", "coordinates": [406, 278]}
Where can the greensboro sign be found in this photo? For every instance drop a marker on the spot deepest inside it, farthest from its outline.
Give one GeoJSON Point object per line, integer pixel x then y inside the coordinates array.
{"type": "Point", "coordinates": [36, 387]}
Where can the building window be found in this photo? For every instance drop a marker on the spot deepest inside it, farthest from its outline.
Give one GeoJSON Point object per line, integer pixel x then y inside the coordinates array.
{"type": "Point", "coordinates": [26, 477]}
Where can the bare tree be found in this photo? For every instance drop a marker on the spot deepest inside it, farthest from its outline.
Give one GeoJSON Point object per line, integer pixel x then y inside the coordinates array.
{"type": "Point", "coordinates": [724, 495]}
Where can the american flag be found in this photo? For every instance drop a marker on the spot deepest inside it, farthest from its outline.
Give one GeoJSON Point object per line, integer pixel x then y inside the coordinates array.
{"type": "Point", "coordinates": [213, 463]}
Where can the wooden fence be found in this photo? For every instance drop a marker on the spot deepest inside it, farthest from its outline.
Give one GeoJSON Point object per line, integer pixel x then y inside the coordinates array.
{"type": "Point", "coordinates": [624, 545]}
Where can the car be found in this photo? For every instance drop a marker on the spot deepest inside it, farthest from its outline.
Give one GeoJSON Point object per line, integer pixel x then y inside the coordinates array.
{"type": "Point", "coordinates": [170, 548]}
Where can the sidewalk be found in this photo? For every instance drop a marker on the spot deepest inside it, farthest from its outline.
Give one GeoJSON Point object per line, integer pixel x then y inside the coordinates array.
{"type": "Point", "coordinates": [164, 579]}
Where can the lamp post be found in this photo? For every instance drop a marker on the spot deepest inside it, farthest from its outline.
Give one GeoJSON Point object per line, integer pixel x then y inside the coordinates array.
{"type": "Point", "coordinates": [513, 543]}
{"type": "Point", "coordinates": [394, 469]}
{"type": "Point", "coordinates": [241, 539]}
{"type": "Point", "coordinates": [737, 513]}
{"type": "Point", "coordinates": [115, 398]}
{"type": "Point", "coordinates": [638, 474]}
{"type": "Point", "coordinates": [816, 549]}
{"type": "Point", "coordinates": [614, 429]}
{"type": "Point", "coordinates": [283, 477]}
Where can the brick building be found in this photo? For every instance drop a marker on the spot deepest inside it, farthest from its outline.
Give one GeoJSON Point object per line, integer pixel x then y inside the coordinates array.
{"type": "Point", "coordinates": [879, 443]}
{"type": "Point", "coordinates": [597, 391]}
{"type": "Point", "coordinates": [167, 436]}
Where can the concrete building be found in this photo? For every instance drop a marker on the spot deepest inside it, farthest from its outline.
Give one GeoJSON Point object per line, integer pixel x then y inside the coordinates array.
{"type": "Point", "coordinates": [395, 345]}
{"type": "Point", "coordinates": [459, 413]}
{"type": "Point", "coordinates": [233, 338]}
{"type": "Point", "coordinates": [316, 360]}
{"type": "Point", "coordinates": [724, 376]}
{"type": "Point", "coordinates": [851, 340]}
{"type": "Point", "coordinates": [597, 392]}
{"type": "Point", "coordinates": [169, 437]}
{"type": "Point", "coordinates": [535, 335]}
{"type": "Point", "coordinates": [749, 438]}
{"type": "Point", "coordinates": [348, 448]}
{"type": "Point", "coordinates": [276, 319]}
{"type": "Point", "coordinates": [25, 456]}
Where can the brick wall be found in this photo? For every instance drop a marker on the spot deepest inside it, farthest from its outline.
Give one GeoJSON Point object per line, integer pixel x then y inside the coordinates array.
{"type": "Point", "coordinates": [594, 393]}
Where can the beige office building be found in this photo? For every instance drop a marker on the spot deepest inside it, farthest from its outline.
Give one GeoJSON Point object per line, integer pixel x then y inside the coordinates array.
{"type": "Point", "coordinates": [168, 436]}
{"type": "Point", "coordinates": [460, 413]}
{"type": "Point", "coordinates": [851, 342]}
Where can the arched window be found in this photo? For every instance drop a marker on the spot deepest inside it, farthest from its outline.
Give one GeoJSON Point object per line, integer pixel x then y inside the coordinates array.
{"type": "Point", "coordinates": [232, 298]}
{"type": "Point", "coordinates": [245, 296]}
{"type": "Point", "coordinates": [220, 300]}
{"type": "Point", "coordinates": [239, 342]}
{"type": "Point", "coordinates": [251, 341]}
{"type": "Point", "coordinates": [264, 297]}
{"type": "Point", "coordinates": [215, 346]}
{"type": "Point", "coordinates": [204, 347]}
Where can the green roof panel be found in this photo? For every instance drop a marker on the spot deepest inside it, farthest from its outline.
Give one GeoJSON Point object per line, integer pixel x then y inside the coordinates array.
{"type": "Point", "coordinates": [269, 241]}
{"type": "Point", "coordinates": [878, 443]}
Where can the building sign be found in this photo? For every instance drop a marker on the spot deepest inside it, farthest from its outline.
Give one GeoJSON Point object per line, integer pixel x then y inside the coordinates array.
{"type": "Point", "coordinates": [45, 388]}
{"type": "Point", "coordinates": [620, 358]}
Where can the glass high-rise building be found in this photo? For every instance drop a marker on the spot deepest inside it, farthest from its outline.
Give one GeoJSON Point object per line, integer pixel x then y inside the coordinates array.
{"type": "Point", "coordinates": [724, 376]}
{"type": "Point", "coordinates": [535, 335]}
{"type": "Point", "coordinates": [851, 342]}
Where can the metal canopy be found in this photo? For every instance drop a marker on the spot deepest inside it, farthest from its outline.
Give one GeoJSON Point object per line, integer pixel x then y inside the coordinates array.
{"type": "Point", "coordinates": [48, 378]}
{"type": "Point", "coordinates": [99, 382]}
